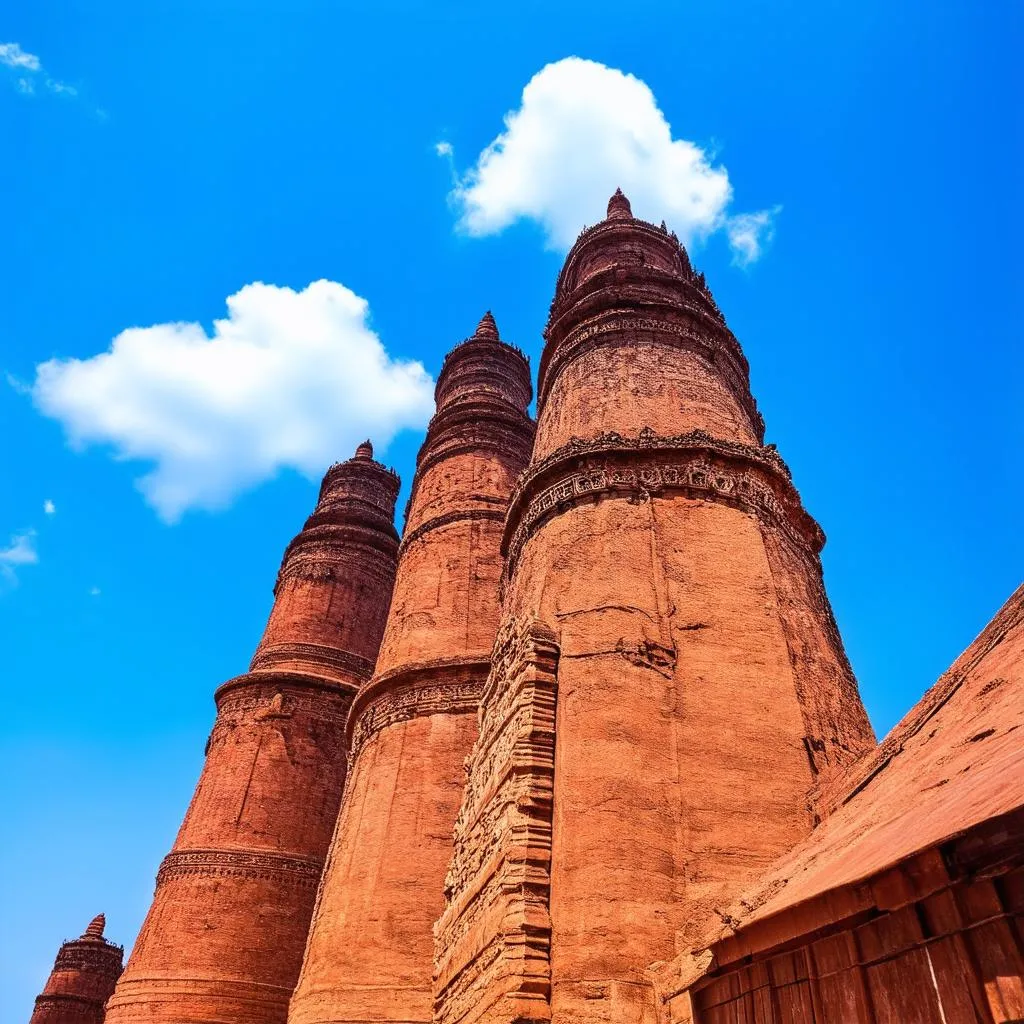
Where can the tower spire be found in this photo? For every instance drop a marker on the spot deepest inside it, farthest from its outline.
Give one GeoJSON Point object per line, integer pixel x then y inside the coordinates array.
{"type": "Point", "coordinates": [487, 328]}
{"type": "Point", "coordinates": [662, 588]}
{"type": "Point", "coordinates": [250, 852]}
{"type": "Point", "coordinates": [83, 977]}
{"type": "Point", "coordinates": [370, 950]}
{"type": "Point", "coordinates": [618, 206]}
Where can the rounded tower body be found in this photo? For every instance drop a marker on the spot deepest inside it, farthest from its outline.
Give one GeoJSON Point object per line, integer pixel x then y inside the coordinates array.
{"type": "Point", "coordinates": [224, 937]}
{"type": "Point", "coordinates": [370, 950]}
{"type": "Point", "coordinates": [83, 977]}
{"type": "Point", "coordinates": [664, 602]}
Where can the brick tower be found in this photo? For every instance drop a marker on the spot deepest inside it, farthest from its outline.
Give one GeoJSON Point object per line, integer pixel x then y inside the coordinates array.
{"type": "Point", "coordinates": [370, 950]}
{"type": "Point", "coordinates": [669, 694]}
{"type": "Point", "coordinates": [224, 937]}
{"type": "Point", "coordinates": [83, 976]}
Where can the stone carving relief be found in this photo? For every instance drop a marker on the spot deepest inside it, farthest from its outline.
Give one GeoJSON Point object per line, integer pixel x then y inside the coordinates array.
{"type": "Point", "coordinates": [298, 871]}
{"type": "Point", "coordinates": [750, 477]}
{"type": "Point", "coordinates": [492, 942]}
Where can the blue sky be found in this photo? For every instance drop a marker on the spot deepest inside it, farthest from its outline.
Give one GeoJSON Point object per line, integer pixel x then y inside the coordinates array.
{"type": "Point", "coordinates": [847, 174]}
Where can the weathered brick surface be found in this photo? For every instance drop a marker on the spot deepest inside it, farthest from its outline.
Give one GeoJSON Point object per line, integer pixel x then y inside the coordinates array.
{"type": "Point", "coordinates": [370, 952]}
{"type": "Point", "coordinates": [666, 552]}
{"type": "Point", "coordinates": [83, 976]}
{"type": "Point", "coordinates": [224, 937]}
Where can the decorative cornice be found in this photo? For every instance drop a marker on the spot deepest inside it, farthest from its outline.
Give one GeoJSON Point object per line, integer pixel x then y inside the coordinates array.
{"type": "Point", "coordinates": [94, 957]}
{"type": "Point", "coordinates": [57, 1007]}
{"type": "Point", "coordinates": [446, 686]}
{"type": "Point", "coordinates": [325, 698]}
{"type": "Point", "coordinates": [301, 872]}
{"type": "Point", "coordinates": [750, 477]}
{"type": "Point", "coordinates": [338, 661]}
{"type": "Point", "coordinates": [457, 516]}
{"type": "Point", "coordinates": [323, 552]}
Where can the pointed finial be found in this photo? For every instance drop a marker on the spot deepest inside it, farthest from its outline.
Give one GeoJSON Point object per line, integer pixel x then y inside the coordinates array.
{"type": "Point", "coordinates": [487, 328]}
{"type": "Point", "coordinates": [96, 926]}
{"type": "Point", "coordinates": [365, 450]}
{"type": "Point", "coordinates": [618, 206]}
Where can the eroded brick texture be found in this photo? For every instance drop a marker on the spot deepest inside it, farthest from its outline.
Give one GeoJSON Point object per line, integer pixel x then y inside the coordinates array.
{"type": "Point", "coordinates": [370, 952]}
{"type": "Point", "coordinates": [224, 937]}
{"type": "Point", "coordinates": [83, 976]}
{"type": "Point", "coordinates": [703, 699]}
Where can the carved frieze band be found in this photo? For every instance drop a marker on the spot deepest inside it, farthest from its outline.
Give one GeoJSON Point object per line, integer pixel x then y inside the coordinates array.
{"type": "Point", "coordinates": [711, 340]}
{"type": "Point", "coordinates": [294, 693]}
{"type": "Point", "coordinates": [65, 1008]}
{"type": "Point", "coordinates": [746, 476]}
{"type": "Point", "coordinates": [431, 688]}
{"type": "Point", "coordinates": [301, 872]}
{"type": "Point", "coordinates": [346, 662]}
{"type": "Point", "coordinates": [370, 553]}
{"type": "Point", "coordinates": [496, 515]}
{"type": "Point", "coordinates": [94, 957]}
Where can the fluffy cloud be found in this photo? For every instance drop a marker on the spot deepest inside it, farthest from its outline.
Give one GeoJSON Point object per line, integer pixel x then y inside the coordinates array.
{"type": "Point", "coordinates": [20, 550]}
{"type": "Point", "coordinates": [581, 130]}
{"type": "Point", "coordinates": [49, 508]}
{"type": "Point", "coordinates": [288, 380]}
{"type": "Point", "coordinates": [13, 56]}
{"type": "Point", "coordinates": [29, 70]}
{"type": "Point", "coordinates": [749, 233]}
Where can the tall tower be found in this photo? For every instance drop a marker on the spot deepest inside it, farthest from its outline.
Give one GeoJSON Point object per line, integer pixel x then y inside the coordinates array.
{"type": "Point", "coordinates": [669, 693]}
{"type": "Point", "coordinates": [83, 976]}
{"type": "Point", "coordinates": [224, 937]}
{"type": "Point", "coordinates": [370, 949]}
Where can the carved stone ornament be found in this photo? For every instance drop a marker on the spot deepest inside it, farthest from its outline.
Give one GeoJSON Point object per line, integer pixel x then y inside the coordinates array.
{"type": "Point", "coordinates": [302, 872]}
{"type": "Point", "coordinates": [750, 477]}
{"type": "Point", "coordinates": [427, 689]}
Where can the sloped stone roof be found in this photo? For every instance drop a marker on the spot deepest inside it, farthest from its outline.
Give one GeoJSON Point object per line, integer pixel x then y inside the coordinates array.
{"type": "Point", "coordinates": [955, 761]}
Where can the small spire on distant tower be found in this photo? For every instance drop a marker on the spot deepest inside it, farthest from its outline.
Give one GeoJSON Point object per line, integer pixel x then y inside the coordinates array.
{"type": "Point", "coordinates": [365, 450]}
{"type": "Point", "coordinates": [487, 328]}
{"type": "Point", "coordinates": [618, 206]}
{"type": "Point", "coordinates": [96, 926]}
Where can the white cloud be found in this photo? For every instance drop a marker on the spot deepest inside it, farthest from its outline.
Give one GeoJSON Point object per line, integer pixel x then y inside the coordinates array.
{"type": "Point", "coordinates": [49, 508]}
{"type": "Point", "coordinates": [13, 56]}
{"type": "Point", "coordinates": [583, 129]}
{"type": "Point", "coordinates": [288, 380]}
{"type": "Point", "coordinates": [30, 72]}
{"type": "Point", "coordinates": [21, 550]}
{"type": "Point", "coordinates": [443, 148]}
{"type": "Point", "coordinates": [61, 87]}
{"type": "Point", "coordinates": [749, 233]}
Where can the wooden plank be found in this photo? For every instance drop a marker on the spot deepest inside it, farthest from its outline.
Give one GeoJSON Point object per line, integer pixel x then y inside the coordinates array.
{"type": "Point", "coordinates": [1002, 972]}
{"type": "Point", "coordinates": [902, 991]}
{"type": "Point", "coordinates": [961, 995]}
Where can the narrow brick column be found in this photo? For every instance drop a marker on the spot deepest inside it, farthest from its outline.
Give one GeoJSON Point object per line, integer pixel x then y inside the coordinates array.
{"type": "Point", "coordinates": [83, 976]}
{"type": "Point", "coordinates": [370, 953]}
{"type": "Point", "coordinates": [703, 699]}
{"type": "Point", "coordinates": [224, 937]}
